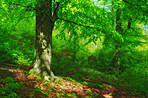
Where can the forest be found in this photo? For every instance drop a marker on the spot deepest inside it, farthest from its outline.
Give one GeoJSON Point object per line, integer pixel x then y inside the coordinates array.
{"type": "Point", "coordinates": [73, 48]}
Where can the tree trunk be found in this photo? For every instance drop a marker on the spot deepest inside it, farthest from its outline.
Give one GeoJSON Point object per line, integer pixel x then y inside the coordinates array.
{"type": "Point", "coordinates": [44, 28]}
{"type": "Point", "coordinates": [116, 58]}
{"type": "Point", "coordinates": [75, 45]}
{"type": "Point", "coordinates": [129, 24]}
{"type": "Point", "coordinates": [113, 20]}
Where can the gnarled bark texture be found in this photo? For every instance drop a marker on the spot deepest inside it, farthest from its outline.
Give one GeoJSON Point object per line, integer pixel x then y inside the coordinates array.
{"type": "Point", "coordinates": [44, 27]}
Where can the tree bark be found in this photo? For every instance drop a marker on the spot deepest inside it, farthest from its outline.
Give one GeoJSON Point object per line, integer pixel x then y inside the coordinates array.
{"type": "Point", "coordinates": [113, 20]}
{"type": "Point", "coordinates": [116, 58]}
{"type": "Point", "coordinates": [44, 27]}
{"type": "Point", "coordinates": [129, 24]}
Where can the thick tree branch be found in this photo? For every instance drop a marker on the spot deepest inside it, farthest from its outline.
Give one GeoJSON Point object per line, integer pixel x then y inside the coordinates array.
{"type": "Point", "coordinates": [133, 3]}
{"type": "Point", "coordinates": [79, 24]}
{"type": "Point", "coordinates": [55, 11]}
{"type": "Point", "coordinates": [80, 13]}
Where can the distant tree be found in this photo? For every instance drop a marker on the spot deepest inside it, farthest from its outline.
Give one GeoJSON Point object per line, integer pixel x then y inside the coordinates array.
{"type": "Point", "coordinates": [126, 15]}
{"type": "Point", "coordinates": [120, 39]}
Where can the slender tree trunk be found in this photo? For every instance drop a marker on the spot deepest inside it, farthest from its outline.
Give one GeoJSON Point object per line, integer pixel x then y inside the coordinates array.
{"type": "Point", "coordinates": [113, 14]}
{"type": "Point", "coordinates": [75, 45]}
{"type": "Point", "coordinates": [116, 58]}
{"type": "Point", "coordinates": [129, 24]}
{"type": "Point", "coordinates": [44, 27]}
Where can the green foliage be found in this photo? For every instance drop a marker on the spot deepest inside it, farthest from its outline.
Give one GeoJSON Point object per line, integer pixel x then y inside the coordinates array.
{"type": "Point", "coordinates": [7, 80]}
{"type": "Point", "coordinates": [85, 83]}
{"type": "Point", "coordinates": [89, 91]}
{"type": "Point", "coordinates": [135, 79]}
{"type": "Point", "coordinates": [84, 24]}
{"type": "Point", "coordinates": [91, 94]}
{"type": "Point", "coordinates": [10, 89]}
{"type": "Point", "coordinates": [11, 40]}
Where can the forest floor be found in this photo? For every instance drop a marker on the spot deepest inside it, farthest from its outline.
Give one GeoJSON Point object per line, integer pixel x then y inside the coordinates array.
{"type": "Point", "coordinates": [31, 87]}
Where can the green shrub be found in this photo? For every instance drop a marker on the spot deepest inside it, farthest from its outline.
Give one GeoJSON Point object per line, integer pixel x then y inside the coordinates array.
{"type": "Point", "coordinates": [10, 89]}
{"type": "Point", "coordinates": [135, 78]}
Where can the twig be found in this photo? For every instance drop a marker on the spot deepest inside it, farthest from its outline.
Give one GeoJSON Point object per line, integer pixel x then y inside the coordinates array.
{"type": "Point", "coordinates": [134, 4]}
{"type": "Point", "coordinates": [79, 24]}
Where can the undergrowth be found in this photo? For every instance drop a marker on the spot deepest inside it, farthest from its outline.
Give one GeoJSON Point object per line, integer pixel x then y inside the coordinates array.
{"type": "Point", "coordinates": [10, 88]}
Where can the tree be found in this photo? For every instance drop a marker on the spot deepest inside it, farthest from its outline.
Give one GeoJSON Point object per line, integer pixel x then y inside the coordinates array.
{"type": "Point", "coordinates": [126, 13]}
{"type": "Point", "coordinates": [118, 40]}
{"type": "Point", "coordinates": [45, 21]}
{"type": "Point", "coordinates": [47, 13]}
{"type": "Point", "coordinates": [46, 16]}
{"type": "Point", "coordinates": [116, 58]}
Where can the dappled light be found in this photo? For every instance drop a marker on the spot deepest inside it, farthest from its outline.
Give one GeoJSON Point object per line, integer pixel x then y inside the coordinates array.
{"type": "Point", "coordinates": [73, 49]}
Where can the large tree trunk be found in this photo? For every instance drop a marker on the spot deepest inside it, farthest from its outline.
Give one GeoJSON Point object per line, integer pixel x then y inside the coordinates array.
{"type": "Point", "coordinates": [44, 27]}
